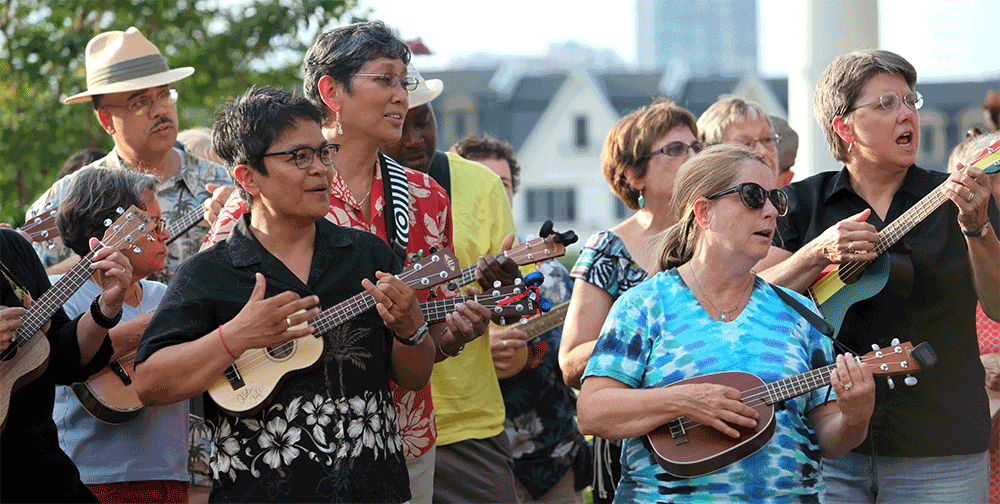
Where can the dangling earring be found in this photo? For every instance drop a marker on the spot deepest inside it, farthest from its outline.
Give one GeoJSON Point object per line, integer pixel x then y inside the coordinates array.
{"type": "Point", "coordinates": [340, 131]}
{"type": "Point", "coordinates": [642, 201]}
{"type": "Point", "coordinates": [849, 146]}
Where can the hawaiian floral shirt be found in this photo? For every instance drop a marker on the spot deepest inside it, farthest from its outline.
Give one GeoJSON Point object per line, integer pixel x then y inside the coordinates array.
{"type": "Point", "coordinates": [177, 195]}
{"type": "Point", "coordinates": [541, 409]}
{"type": "Point", "coordinates": [430, 226]}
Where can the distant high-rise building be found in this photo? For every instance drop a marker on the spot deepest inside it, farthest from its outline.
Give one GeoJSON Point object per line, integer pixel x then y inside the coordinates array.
{"type": "Point", "coordinates": [702, 37]}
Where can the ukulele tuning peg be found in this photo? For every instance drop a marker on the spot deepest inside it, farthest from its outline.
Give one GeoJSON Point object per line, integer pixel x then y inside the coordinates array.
{"type": "Point", "coordinates": [150, 238]}
{"type": "Point", "coordinates": [496, 283]}
{"type": "Point", "coordinates": [910, 380]}
{"type": "Point", "coordinates": [891, 383]}
{"type": "Point", "coordinates": [107, 222]}
{"type": "Point", "coordinates": [433, 250]}
{"type": "Point", "coordinates": [136, 249]}
{"type": "Point", "coordinates": [52, 245]}
{"type": "Point", "coordinates": [45, 234]}
{"type": "Point", "coordinates": [524, 320]}
{"type": "Point", "coordinates": [452, 286]}
{"type": "Point", "coordinates": [875, 347]}
{"type": "Point", "coordinates": [546, 229]}
{"type": "Point", "coordinates": [120, 210]}
{"type": "Point", "coordinates": [894, 342]}
{"type": "Point", "coordinates": [425, 282]}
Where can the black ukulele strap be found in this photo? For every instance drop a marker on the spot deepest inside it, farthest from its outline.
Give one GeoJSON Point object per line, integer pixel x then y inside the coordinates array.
{"type": "Point", "coordinates": [821, 325]}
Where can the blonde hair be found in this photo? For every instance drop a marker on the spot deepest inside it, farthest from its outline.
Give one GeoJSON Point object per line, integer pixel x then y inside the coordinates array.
{"type": "Point", "coordinates": [714, 170]}
{"type": "Point", "coordinates": [713, 122]}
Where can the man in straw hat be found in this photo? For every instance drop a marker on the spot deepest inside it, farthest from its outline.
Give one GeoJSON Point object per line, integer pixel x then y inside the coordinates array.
{"type": "Point", "coordinates": [473, 461]}
{"type": "Point", "coordinates": [128, 83]}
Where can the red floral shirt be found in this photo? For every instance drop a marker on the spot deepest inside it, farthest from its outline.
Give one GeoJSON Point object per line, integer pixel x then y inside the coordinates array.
{"type": "Point", "coordinates": [430, 226]}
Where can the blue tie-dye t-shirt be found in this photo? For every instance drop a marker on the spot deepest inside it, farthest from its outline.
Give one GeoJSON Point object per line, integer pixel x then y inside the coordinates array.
{"type": "Point", "coordinates": [657, 334]}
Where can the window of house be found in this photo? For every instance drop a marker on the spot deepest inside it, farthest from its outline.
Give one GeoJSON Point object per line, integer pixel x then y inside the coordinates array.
{"type": "Point", "coordinates": [461, 125]}
{"type": "Point", "coordinates": [551, 204]}
{"type": "Point", "coordinates": [580, 137]}
{"type": "Point", "coordinates": [621, 209]}
{"type": "Point", "coordinates": [928, 139]}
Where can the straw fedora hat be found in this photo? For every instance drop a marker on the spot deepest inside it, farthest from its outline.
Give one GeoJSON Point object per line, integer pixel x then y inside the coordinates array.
{"type": "Point", "coordinates": [426, 91]}
{"type": "Point", "coordinates": [125, 61]}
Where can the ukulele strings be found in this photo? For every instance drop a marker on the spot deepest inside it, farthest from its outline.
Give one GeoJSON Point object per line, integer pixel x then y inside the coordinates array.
{"type": "Point", "coordinates": [20, 339]}
{"type": "Point", "coordinates": [259, 356]}
{"type": "Point", "coordinates": [756, 396]}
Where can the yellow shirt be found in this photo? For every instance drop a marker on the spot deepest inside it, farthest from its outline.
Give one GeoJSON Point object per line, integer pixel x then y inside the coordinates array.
{"type": "Point", "coordinates": [467, 399]}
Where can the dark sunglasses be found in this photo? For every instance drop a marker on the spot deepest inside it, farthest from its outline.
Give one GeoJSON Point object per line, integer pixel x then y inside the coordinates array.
{"type": "Point", "coordinates": [753, 196]}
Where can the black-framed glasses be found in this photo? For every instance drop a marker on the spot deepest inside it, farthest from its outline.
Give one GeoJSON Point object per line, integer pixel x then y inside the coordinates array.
{"type": "Point", "coordinates": [143, 104]}
{"type": "Point", "coordinates": [753, 196]}
{"type": "Point", "coordinates": [889, 102]}
{"type": "Point", "coordinates": [392, 80]}
{"type": "Point", "coordinates": [678, 149]}
{"type": "Point", "coordinates": [303, 156]}
{"type": "Point", "coordinates": [768, 141]}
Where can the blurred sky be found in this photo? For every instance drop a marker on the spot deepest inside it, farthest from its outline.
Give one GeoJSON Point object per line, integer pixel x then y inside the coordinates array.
{"type": "Point", "coordinates": [934, 35]}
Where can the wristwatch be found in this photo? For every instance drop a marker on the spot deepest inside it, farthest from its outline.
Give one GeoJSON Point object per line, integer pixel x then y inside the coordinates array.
{"type": "Point", "coordinates": [99, 317]}
{"type": "Point", "coordinates": [417, 338]}
{"type": "Point", "coordinates": [975, 234]}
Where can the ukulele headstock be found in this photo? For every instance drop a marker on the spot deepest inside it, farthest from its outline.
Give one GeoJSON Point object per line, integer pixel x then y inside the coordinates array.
{"type": "Point", "coordinates": [517, 302]}
{"type": "Point", "coordinates": [436, 268]}
{"type": "Point", "coordinates": [900, 358]}
{"type": "Point", "coordinates": [42, 226]}
{"type": "Point", "coordinates": [126, 230]}
{"type": "Point", "coordinates": [549, 245]}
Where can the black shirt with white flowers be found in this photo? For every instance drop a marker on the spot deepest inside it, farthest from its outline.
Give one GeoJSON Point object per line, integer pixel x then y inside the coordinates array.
{"type": "Point", "coordinates": [330, 432]}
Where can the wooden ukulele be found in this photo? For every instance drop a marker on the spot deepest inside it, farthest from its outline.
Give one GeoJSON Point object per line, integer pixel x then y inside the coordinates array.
{"type": "Point", "coordinates": [839, 287]}
{"type": "Point", "coordinates": [549, 245]}
{"type": "Point", "coordinates": [42, 227]}
{"type": "Point", "coordinates": [27, 356]}
{"type": "Point", "coordinates": [252, 381]}
{"type": "Point", "coordinates": [534, 327]}
{"type": "Point", "coordinates": [687, 449]}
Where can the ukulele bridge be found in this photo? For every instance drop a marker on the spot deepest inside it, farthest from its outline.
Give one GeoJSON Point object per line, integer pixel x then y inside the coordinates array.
{"type": "Point", "coordinates": [677, 431]}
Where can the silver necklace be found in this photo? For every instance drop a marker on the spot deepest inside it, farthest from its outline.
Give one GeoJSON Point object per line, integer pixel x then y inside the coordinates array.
{"type": "Point", "coordinates": [724, 315]}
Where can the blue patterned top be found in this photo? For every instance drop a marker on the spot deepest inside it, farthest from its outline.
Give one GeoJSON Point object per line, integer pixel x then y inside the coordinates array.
{"type": "Point", "coordinates": [606, 263]}
{"type": "Point", "coordinates": [657, 333]}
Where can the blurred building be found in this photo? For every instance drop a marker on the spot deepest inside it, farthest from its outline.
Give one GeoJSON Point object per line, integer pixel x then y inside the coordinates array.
{"type": "Point", "coordinates": [557, 120]}
{"type": "Point", "coordinates": [707, 37]}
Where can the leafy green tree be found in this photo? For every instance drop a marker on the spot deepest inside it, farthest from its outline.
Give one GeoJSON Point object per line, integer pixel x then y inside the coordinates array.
{"type": "Point", "coordinates": [231, 44]}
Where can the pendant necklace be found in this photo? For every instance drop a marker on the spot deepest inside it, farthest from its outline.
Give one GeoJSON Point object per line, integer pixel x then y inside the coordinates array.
{"type": "Point", "coordinates": [724, 315]}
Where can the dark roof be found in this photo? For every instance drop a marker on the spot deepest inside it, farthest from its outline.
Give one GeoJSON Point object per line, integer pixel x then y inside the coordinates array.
{"type": "Point", "coordinates": [527, 103]}
{"type": "Point", "coordinates": [954, 97]}
{"type": "Point", "coordinates": [699, 93]}
{"type": "Point", "coordinates": [779, 87]}
{"type": "Point", "coordinates": [470, 82]}
{"type": "Point", "coordinates": [629, 91]}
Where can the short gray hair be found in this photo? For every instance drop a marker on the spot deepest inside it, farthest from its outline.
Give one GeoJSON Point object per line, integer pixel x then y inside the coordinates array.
{"type": "Point", "coordinates": [789, 141]}
{"type": "Point", "coordinates": [95, 194]}
{"type": "Point", "coordinates": [713, 122]}
{"type": "Point", "coordinates": [842, 83]}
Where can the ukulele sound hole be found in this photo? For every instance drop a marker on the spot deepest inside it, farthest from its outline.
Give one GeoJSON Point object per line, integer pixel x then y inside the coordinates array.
{"type": "Point", "coordinates": [282, 351]}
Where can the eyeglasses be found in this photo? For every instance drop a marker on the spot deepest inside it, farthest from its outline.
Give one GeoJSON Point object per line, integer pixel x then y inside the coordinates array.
{"type": "Point", "coordinates": [768, 142]}
{"type": "Point", "coordinates": [678, 149]}
{"type": "Point", "coordinates": [142, 105]}
{"type": "Point", "coordinates": [392, 80]}
{"type": "Point", "coordinates": [753, 196]}
{"type": "Point", "coordinates": [303, 156]}
{"type": "Point", "coordinates": [889, 102]}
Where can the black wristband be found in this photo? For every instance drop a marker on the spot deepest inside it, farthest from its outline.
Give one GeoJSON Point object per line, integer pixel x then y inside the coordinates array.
{"type": "Point", "coordinates": [99, 317]}
{"type": "Point", "coordinates": [975, 234]}
{"type": "Point", "coordinates": [416, 338]}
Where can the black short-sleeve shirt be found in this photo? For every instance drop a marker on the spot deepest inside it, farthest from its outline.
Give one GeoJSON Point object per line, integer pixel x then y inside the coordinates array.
{"type": "Point", "coordinates": [330, 433]}
{"type": "Point", "coordinates": [946, 412]}
{"type": "Point", "coordinates": [29, 445]}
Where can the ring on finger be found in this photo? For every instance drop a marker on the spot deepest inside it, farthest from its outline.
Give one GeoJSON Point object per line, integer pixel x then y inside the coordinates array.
{"type": "Point", "coordinates": [389, 306]}
{"type": "Point", "coordinates": [850, 248]}
{"type": "Point", "coordinates": [972, 195]}
{"type": "Point", "coordinates": [288, 320]}
{"type": "Point", "coordinates": [504, 343]}
{"type": "Point", "coordinates": [847, 386]}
